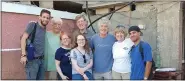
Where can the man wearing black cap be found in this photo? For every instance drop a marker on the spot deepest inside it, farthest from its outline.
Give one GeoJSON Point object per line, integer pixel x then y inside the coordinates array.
{"type": "Point", "coordinates": [141, 65]}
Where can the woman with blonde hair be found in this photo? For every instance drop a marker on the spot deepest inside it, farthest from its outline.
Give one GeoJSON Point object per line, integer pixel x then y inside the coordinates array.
{"type": "Point", "coordinates": [122, 64]}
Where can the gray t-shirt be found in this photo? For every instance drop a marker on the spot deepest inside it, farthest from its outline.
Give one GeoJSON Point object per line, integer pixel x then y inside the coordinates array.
{"type": "Point", "coordinates": [88, 34]}
{"type": "Point", "coordinates": [39, 38]}
{"type": "Point", "coordinates": [76, 55]}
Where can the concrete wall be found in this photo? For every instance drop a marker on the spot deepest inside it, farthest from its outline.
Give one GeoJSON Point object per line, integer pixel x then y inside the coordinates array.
{"type": "Point", "coordinates": [168, 27]}
{"type": "Point", "coordinates": [141, 16]}
{"type": "Point", "coordinates": [102, 10]}
{"type": "Point", "coordinates": [161, 20]}
{"type": "Point", "coordinates": [168, 34]}
{"type": "Point", "coordinates": [46, 4]}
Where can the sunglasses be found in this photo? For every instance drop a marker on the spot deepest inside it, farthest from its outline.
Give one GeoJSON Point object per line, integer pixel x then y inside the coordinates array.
{"type": "Point", "coordinates": [120, 26]}
{"type": "Point", "coordinates": [84, 58]}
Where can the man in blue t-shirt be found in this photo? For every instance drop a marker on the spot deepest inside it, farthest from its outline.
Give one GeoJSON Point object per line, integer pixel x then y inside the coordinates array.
{"type": "Point", "coordinates": [101, 45]}
{"type": "Point", "coordinates": [141, 67]}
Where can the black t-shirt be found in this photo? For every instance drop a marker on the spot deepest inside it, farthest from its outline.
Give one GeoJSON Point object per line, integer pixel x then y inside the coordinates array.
{"type": "Point", "coordinates": [62, 55]}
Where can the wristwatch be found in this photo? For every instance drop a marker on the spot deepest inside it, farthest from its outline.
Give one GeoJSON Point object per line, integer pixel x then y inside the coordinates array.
{"type": "Point", "coordinates": [23, 55]}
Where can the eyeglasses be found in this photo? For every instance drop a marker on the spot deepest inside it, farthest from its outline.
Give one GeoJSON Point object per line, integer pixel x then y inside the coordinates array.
{"type": "Point", "coordinates": [57, 24]}
{"type": "Point", "coordinates": [65, 38]}
{"type": "Point", "coordinates": [80, 39]}
{"type": "Point", "coordinates": [84, 58]}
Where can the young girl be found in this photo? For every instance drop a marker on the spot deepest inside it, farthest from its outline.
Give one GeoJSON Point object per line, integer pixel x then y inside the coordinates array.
{"type": "Point", "coordinates": [82, 59]}
{"type": "Point", "coordinates": [62, 59]}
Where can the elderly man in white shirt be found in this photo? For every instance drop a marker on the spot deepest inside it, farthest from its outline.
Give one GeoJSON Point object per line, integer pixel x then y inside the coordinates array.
{"type": "Point", "coordinates": [122, 63]}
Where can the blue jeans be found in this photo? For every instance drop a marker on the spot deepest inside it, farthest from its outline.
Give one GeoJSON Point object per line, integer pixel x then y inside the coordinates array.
{"type": "Point", "coordinates": [80, 77]}
{"type": "Point", "coordinates": [35, 69]}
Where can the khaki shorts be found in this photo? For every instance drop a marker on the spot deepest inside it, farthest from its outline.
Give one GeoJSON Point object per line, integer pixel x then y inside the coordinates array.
{"type": "Point", "coordinates": [103, 76]}
{"type": "Point", "coordinates": [120, 76]}
{"type": "Point", "coordinates": [51, 75]}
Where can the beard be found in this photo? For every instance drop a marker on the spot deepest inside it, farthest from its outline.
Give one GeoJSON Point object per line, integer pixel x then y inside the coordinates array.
{"type": "Point", "coordinates": [135, 39]}
{"type": "Point", "coordinates": [43, 23]}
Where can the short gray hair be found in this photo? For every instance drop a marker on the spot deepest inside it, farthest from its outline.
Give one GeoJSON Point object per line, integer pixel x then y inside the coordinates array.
{"type": "Point", "coordinates": [104, 20]}
{"type": "Point", "coordinates": [56, 19]}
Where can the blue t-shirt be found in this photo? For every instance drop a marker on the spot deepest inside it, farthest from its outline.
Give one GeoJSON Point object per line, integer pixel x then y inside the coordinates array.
{"type": "Point", "coordinates": [138, 67]}
{"type": "Point", "coordinates": [63, 55]}
{"type": "Point", "coordinates": [103, 58]}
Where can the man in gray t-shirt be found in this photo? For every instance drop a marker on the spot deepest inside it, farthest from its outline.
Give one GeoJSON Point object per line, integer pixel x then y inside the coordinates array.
{"type": "Point", "coordinates": [35, 68]}
{"type": "Point", "coordinates": [39, 38]}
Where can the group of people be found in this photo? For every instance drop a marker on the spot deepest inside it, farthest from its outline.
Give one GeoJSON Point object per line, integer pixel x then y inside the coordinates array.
{"type": "Point", "coordinates": [84, 55]}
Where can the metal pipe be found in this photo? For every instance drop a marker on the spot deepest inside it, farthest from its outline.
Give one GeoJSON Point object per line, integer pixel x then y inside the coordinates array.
{"type": "Point", "coordinates": [111, 14]}
{"type": "Point", "coordinates": [89, 16]}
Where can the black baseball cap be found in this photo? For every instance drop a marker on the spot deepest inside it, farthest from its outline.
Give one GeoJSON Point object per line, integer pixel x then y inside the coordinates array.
{"type": "Point", "coordinates": [135, 28]}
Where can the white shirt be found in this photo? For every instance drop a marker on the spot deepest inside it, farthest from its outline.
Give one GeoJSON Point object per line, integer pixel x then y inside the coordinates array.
{"type": "Point", "coordinates": [122, 61]}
